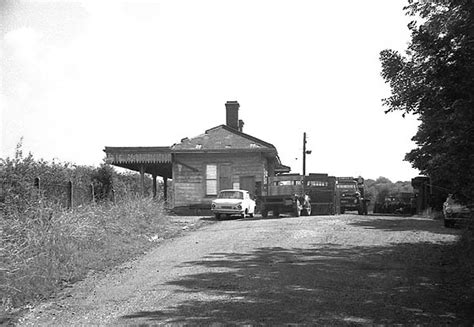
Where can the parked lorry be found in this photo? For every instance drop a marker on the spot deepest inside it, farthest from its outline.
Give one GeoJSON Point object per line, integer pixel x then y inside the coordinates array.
{"type": "Point", "coordinates": [321, 189]}
{"type": "Point", "coordinates": [351, 195]}
{"type": "Point", "coordinates": [285, 194]}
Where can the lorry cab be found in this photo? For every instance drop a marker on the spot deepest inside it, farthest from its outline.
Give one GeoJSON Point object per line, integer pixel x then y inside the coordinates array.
{"type": "Point", "coordinates": [351, 194]}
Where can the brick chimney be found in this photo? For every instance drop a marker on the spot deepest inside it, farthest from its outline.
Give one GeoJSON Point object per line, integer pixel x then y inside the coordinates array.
{"type": "Point", "coordinates": [232, 114]}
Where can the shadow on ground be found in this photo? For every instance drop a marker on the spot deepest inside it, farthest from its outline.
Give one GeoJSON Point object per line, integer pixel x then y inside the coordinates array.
{"type": "Point", "coordinates": [401, 223]}
{"type": "Point", "coordinates": [408, 284]}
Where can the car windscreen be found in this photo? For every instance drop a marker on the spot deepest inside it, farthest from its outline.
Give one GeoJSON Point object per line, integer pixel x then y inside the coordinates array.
{"type": "Point", "coordinates": [347, 187]}
{"type": "Point", "coordinates": [230, 195]}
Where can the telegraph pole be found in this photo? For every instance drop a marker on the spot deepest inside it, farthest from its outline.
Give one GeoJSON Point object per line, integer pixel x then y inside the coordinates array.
{"type": "Point", "coordinates": [304, 154]}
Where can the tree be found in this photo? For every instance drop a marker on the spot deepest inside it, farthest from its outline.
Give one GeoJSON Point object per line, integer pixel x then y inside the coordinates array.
{"type": "Point", "coordinates": [102, 179]}
{"type": "Point", "coordinates": [435, 81]}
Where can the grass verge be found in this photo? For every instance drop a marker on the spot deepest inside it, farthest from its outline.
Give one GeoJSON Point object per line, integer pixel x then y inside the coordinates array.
{"type": "Point", "coordinates": [44, 250]}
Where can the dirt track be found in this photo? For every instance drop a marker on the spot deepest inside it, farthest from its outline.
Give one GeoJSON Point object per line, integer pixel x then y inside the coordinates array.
{"type": "Point", "coordinates": [334, 270]}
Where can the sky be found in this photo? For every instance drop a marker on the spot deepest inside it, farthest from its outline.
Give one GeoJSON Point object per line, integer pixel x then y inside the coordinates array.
{"type": "Point", "coordinates": [77, 76]}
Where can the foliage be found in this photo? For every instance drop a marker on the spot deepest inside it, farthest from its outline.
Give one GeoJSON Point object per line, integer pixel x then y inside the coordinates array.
{"type": "Point", "coordinates": [43, 245]}
{"type": "Point", "coordinates": [378, 189]}
{"type": "Point", "coordinates": [19, 194]}
{"type": "Point", "coordinates": [435, 81]}
{"type": "Point", "coordinates": [39, 256]}
{"type": "Point", "coordinates": [102, 179]}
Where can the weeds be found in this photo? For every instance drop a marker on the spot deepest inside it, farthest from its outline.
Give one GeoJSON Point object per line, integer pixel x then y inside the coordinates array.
{"type": "Point", "coordinates": [43, 246]}
{"type": "Point", "coordinates": [39, 255]}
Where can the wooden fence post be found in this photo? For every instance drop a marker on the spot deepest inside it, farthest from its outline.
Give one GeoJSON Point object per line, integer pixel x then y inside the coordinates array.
{"type": "Point", "coordinates": [37, 183]}
{"type": "Point", "coordinates": [154, 185]}
{"type": "Point", "coordinates": [142, 180]}
{"type": "Point", "coordinates": [165, 188]}
{"type": "Point", "coordinates": [92, 193]}
{"type": "Point", "coordinates": [112, 192]}
{"type": "Point", "coordinates": [70, 195]}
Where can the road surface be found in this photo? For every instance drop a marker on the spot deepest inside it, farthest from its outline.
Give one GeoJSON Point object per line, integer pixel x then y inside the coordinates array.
{"type": "Point", "coordinates": [333, 270]}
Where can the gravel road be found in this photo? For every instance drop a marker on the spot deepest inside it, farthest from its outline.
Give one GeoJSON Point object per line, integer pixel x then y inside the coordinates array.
{"type": "Point", "coordinates": [333, 270]}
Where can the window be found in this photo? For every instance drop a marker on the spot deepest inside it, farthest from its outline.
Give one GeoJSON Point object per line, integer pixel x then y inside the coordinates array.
{"type": "Point", "coordinates": [317, 183]}
{"type": "Point", "coordinates": [211, 179]}
{"type": "Point", "coordinates": [287, 183]}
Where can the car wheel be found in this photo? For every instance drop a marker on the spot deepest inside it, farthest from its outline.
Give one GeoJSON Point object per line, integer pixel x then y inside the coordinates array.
{"type": "Point", "coordinates": [218, 216]}
{"type": "Point", "coordinates": [264, 213]}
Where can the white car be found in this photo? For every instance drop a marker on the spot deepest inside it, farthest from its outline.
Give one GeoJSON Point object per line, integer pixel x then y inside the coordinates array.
{"type": "Point", "coordinates": [233, 202]}
{"type": "Point", "coordinates": [455, 213]}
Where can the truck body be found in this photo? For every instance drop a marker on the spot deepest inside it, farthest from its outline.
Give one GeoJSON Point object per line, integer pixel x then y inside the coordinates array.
{"type": "Point", "coordinates": [351, 195]}
{"type": "Point", "coordinates": [285, 194]}
{"type": "Point", "coordinates": [321, 189]}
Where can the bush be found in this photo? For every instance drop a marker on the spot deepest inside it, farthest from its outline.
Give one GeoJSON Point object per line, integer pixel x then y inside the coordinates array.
{"type": "Point", "coordinates": [43, 245]}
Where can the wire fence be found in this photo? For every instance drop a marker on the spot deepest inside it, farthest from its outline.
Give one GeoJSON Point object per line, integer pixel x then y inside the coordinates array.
{"type": "Point", "coordinates": [65, 194]}
{"type": "Point", "coordinates": [69, 194]}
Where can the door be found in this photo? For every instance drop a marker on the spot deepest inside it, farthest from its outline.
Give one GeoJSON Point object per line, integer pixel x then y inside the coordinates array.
{"type": "Point", "coordinates": [225, 173]}
{"type": "Point", "coordinates": [248, 183]}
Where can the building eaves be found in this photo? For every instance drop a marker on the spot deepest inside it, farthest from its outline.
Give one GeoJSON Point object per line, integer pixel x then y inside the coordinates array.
{"type": "Point", "coordinates": [137, 149]}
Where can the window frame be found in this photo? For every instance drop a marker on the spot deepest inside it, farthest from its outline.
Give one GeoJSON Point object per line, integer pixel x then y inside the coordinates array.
{"type": "Point", "coordinates": [211, 179]}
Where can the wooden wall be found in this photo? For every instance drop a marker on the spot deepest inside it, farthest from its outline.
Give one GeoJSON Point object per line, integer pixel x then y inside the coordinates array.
{"type": "Point", "coordinates": [189, 171]}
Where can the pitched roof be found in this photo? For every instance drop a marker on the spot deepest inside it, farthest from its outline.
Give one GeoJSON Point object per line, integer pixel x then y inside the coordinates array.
{"type": "Point", "coordinates": [223, 138]}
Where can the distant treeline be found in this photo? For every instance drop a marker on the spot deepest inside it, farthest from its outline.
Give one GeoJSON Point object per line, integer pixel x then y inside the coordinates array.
{"type": "Point", "coordinates": [377, 190]}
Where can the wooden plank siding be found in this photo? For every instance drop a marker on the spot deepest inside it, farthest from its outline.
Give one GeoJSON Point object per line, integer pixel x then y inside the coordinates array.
{"type": "Point", "coordinates": [189, 171]}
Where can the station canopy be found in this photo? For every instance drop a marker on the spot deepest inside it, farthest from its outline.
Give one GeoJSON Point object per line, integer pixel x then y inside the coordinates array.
{"type": "Point", "coordinates": [151, 160]}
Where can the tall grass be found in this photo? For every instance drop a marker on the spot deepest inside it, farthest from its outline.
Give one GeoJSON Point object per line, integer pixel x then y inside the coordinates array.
{"type": "Point", "coordinates": [43, 246]}
{"type": "Point", "coordinates": [41, 253]}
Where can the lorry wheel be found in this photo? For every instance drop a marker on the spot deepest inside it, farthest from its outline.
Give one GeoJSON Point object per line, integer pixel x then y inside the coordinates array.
{"type": "Point", "coordinates": [297, 210]}
{"type": "Point", "coordinates": [276, 213]}
{"type": "Point", "coordinates": [343, 210]}
{"type": "Point", "coordinates": [307, 212]}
